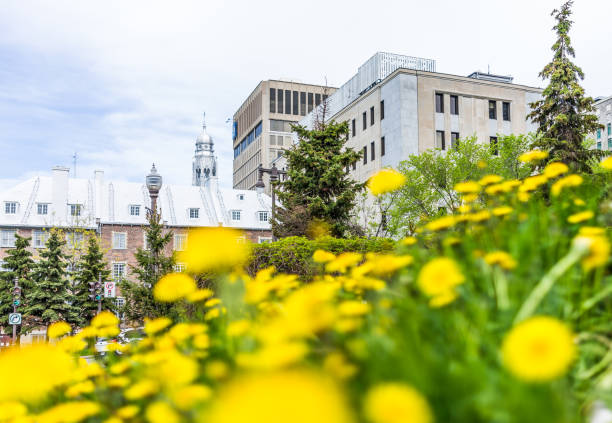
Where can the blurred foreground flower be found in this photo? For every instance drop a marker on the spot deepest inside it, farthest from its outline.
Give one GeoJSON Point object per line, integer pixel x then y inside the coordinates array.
{"type": "Point", "coordinates": [173, 287]}
{"type": "Point", "coordinates": [533, 156]}
{"type": "Point", "coordinates": [438, 278]}
{"type": "Point", "coordinates": [396, 403]}
{"type": "Point", "coordinates": [57, 329]}
{"type": "Point", "coordinates": [385, 181]}
{"type": "Point", "coordinates": [214, 249]}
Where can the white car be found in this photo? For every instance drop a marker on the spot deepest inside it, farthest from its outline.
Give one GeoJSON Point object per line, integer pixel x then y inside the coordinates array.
{"type": "Point", "coordinates": [101, 345]}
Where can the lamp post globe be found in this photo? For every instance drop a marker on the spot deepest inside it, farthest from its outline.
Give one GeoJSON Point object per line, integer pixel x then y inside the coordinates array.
{"type": "Point", "coordinates": [154, 184]}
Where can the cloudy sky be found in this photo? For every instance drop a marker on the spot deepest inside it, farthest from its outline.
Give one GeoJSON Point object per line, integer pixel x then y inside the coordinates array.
{"type": "Point", "coordinates": [124, 83]}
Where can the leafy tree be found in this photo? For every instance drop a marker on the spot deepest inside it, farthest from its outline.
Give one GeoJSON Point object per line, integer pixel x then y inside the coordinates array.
{"type": "Point", "coordinates": [152, 265]}
{"type": "Point", "coordinates": [18, 264]}
{"type": "Point", "coordinates": [564, 114]}
{"type": "Point", "coordinates": [317, 187]}
{"type": "Point", "coordinates": [432, 175]}
{"type": "Point", "coordinates": [91, 267]}
{"type": "Point", "coordinates": [50, 298]}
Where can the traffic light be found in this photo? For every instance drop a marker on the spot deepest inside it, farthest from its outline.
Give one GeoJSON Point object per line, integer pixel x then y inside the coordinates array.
{"type": "Point", "coordinates": [92, 290]}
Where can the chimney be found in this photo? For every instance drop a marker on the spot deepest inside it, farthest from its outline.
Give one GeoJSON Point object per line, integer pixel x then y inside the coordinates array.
{"type": "Point", "coordinates": [59, 192]}
{"type": "Point", "coordinates": [99, 193]}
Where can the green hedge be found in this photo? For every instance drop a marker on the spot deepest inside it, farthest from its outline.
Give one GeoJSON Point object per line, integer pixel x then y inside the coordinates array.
{"type": "Point", "coordinates": [293, 255]}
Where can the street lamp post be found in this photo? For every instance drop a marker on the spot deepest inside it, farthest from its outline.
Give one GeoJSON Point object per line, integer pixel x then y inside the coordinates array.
{"type": "Point", "coordinates": [274, 177]}
{"type": "Point", "coordinates": [154, 184]}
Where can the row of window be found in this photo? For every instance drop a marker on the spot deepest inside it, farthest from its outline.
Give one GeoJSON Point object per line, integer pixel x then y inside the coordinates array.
{"type": "Point", "coordinates": [248, 140]}
{"type": "Point", "coordinates": [364, 119]}
{"type": "Point", "coordinates": [599, 144]}
{"type": "Point", "coordinates": [454, 107]}
{"type": "Point", "coordinates": [39, 238]}
{"type": "Point", "coordinates": [609, 126]}
{"type": "Point", "coordinates": [11, 207]}
{"type": "Point", "coordinates": [287, 101]}
{"type": "Point", "coordinates": [372, 153]}
{"type": "Point", "coordinates": [454, 142]}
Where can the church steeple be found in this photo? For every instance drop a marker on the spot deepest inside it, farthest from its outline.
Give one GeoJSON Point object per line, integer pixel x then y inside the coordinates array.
{"type": "Point", "coordinates": [204, 160]}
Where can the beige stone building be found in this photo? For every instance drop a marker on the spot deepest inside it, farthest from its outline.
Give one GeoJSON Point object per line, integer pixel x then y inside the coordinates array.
{"type": "Point", "coordinates": [262, 125]}
{"type": "Point", "coordinates": [603, 137]}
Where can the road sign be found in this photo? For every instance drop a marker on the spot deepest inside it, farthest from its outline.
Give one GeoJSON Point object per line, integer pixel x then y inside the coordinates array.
{"type": "Point", "coordinates": [110, 289]}
{"type": "Point", "coordinates": [15, 319]}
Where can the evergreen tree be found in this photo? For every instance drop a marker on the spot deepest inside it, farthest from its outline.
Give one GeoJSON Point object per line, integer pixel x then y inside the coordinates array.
{"type": "Point", "coordinates": [317, 188]}
{"type": "Point", "coordinates": [18, 264]}
{"type": "Point", "coordinates": [564, 114]}
{"type": "Point", "coordinates": [91, 267]}
{"type": "Point", "coordinates": [50, 299]}
{"type": "Point", "coordinates": [152, 265]}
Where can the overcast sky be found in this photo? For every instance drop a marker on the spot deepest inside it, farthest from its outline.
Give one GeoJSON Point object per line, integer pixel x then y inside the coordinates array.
{"type": "Point", "coordinates": [124, 83]}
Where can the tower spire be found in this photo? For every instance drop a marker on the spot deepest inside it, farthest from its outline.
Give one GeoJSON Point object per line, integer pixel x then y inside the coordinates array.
{"type": "Point", "coordinates": [203, 120]}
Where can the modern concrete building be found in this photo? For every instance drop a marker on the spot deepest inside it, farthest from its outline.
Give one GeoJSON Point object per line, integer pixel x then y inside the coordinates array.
{"type": "Point", "coordinates": [262, 125]}
{"type": "Point", "coordinates": [398, 105]}
{"type": "Point", "coordinates": [603, 137]}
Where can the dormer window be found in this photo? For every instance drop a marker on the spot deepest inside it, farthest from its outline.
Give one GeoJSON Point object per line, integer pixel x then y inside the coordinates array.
{"type": "Point", "coordinates": [75, 209]}
{"type": "Point", "coordinates": [235, 215]}
{"type": "Point", "coordinates": [240, 197]}
{"type": "Point", "coordinates": [135, 210]}
{"type": "Point", "coordinates": [194, 213]}
{"type": "Point", "coordinates": [263, 216]}
{"type": "Point", "coordinates": [42, 208]}
{"type": "Point", "coordinates": [10, 207]}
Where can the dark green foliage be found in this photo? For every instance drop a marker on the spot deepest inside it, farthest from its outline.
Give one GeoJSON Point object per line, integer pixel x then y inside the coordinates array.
{"type": "Point", "coordinates": [317, 188]}
{"type": "Point", "coordinates": [90, 267]}
{"type": "Point", "coordinates": [19, 264]}
{"type": "Point", "coordinates": [565, 115]}
{"type": "Point", "coordinates": [152, 265]}
{"type": "Point", "coordinates": [294, 254]}
{"type": "Point", "coordinates": [50, 299]}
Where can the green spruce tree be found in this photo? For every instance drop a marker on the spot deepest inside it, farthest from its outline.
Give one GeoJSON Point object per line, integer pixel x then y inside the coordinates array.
{"type": "Point", "coordinates": [50, 299]}
{"type": "Point", "coordinates": [18, 264]}
{"type": "Point", "coordinates": [91, 267]}
{"type": "Point", "coordinates": [565, 115]}
{"type": "Point", "coordinates": [317, 187]}
{"type": "Point", "coordinates": [153, 263]}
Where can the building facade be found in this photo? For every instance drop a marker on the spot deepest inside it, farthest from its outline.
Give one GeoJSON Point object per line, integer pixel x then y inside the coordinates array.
{"type": "Point", "coordinates": [262, 125]}
{"type": "Point", "coordinates": [394, 111]}
{"type": "Point", "coordinates": [603, 137]}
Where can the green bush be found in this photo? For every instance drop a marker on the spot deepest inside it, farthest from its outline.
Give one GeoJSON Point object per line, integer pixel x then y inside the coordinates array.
{"type": "Point", "coordinates": [294, 254]}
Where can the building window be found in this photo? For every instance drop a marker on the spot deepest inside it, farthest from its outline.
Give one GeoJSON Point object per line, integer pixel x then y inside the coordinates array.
{"type": "Point", "coordinates": [439, 103]}
{"type": "Point", "coordinates": [302, 103]}
{"type": "Point", "coordinates": [371, 115]}
{"type": "Point", "coordinates": [118, 272]}
{"type": "Point", "coordinates": [365, 120]}
{"type": "Point", "coordinates": [492, 109]}
{"type": "Point", "coordinates": [372, 151]}
{"type": "Point", "coordinates": [353, 127]}
{"type": "Point", "coordinates": [287, 102]}
{"type": "Point", "coordinates": [494, 147]}
{"type": "Point", "coordinates": [598, 133]}
{"type": "Point", "coordinates": [179, 267]}
{"type": "Point", "coordinates": [75, 239]}
{"type": "Point", "coordinates": [7, 238]}
{"type": "Point", "coordinates": [295, 103]}
{"type": "Point", "coordinates": [40, 239]}
{"type": "Point", "coordinates": [272, 100]}
{"type": "Point", "coordinates": [42, 208]}
{"type": "Point", "coordinates": [236, 215]}
{"type": "Point", "coordinates": [454, 105]}
{"type": "Point", "coordinates": [382, 109]}
{"type": "Point", "coordinates": [134, 210]}
{"type": "Point", "coordinates": [119, 240]}
{"type": "Point", "coordinates": [10, 207]}
{"type": "Point", "coordinates": [264, 239]}
{"type": "Point", "coordinates": [382, 146]}
{"type": "Point", "coordinates": [194, 213]}
{"type": "Point", "coordinates": [75, 209]}
{"type": "Point", "coordinates": [355, 165]}
{"type": "Point", "coordinates": [609, 143]}
{"type": "Point", "coordinates": [279, 97]}
{"type": "Point", "coordinates": [317, 99]}
{"type": "Point", "coordinates": [610, 129]}
{"type": "Point", "coordinates": [179, 242]}
{"type": "Point", "coordinates": [506, 110]}
{"type": "Point", "coordinates": [263, 216]}
{"type": "Point", "coordinates": [599, 145]}
{"type": "Point", "coordinates": [454, 139]}
{"type": "Point", "coordinates": [365, 155]}
{"type": "Point", "coordinates": [240, 197]}
{"type": "Point", "coordinates": [310, 102]}
{"type": "Point", "coordinates": [440, 143]}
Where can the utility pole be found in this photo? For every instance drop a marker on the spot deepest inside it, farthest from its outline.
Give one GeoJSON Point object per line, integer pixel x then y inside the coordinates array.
{"type": "Point", "coordinates": [16, 303]}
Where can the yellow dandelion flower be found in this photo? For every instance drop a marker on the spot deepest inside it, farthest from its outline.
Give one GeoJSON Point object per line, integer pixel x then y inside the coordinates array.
{"type": "Point", "coordinates": [501, 258]}
{"type": "Point", "coordinates": [199, 295]}
{"type": "Point", "coordinates": [579, 202]}
{"type": "Point", "coordinates": [581, 217]}
{"type": "Point", "coordinates": [161, 412]}
{"type": "Point", "coordinates": [532, 183]}
{"type": "Point", "coordinates": [211, 314]}
{"type": "Point", "coordinates": [490, 179]}
{"type": "Point", "coordinates": [539, 349]}
{"type": "Point", "coordinates": [238, 327]}
{"type": "Point", "coordinates": [469, 198]}
{"type": "Point", "coordinates": [552, 170]}
{"type": "Point", "coordinates": [386, 180]}
{"type": "Point", "coordinates": [72, 344]}
{"type": "Point", "coordinates": [34, 371]}
{"type": "Point", "coordinates": [591, 231]}
{"type": "Point", "coordinates": [480, 216]}
{"type": "Point", "coordinates": [502, 211]}
{"type": "Point", "coordinates": [468, 187]}
{"type": "Point", "coordinates": [346, 325]}
{"type": "Point", "coordinates": [523, 197]}
{"type": "Point", "coordinates": [321, 256]}
{"type": "Point", "coordinates": [439, 276]}
{"type": "Point", "coordinates": [606, 163]}
{"type": "Point", "coordinates": [85, 387]}
{"type": "Point", "coordinates": [156, 325]}
{"type": "Point", "coordinates": [336, 364]}
{"type": "Point", "coordinates": [214, 249]}
{"type": "Point", "coordinates": [103, 319]}
{"type": "Point", "coordinates": [567, 181]}
{"type": "Point", "coordinates": [409, 240]}
{"type": "Point", "coordinates": [188, 397]}
{"type": "Point", "coordinates": [57, 329]}
{"type": "Point", "coordinates": [69, 412]}
{"type": "Point", "coordinates": [173, 287]}
{"type": "Point", "coordinates": [396, 403]}
{"type": "Point", "coordinates": [443, 299]}
{"type": "Point", "coordinates": [118, 382]}
{"type": "Point", "coordinates": [216, 370]}
{"type": "Point", "coordinates": [343, 261]}
{"type": "Point", "coordinates": [281, 397]}
{"type": "Point", "coordinates": [201, 341]}
{"type": "Point", "coordinates": [87, 332]}
{"type": "Point", "coordinates": [599, 250]}
{"type": "Point", "coordinates": [128, 411]}
{"type": "Point", "coordinates": [441, 223]}
{"type": "Point", "coordinates": [533, 156]}
{"type": "Point", "coordinates": [212, 302]}
{"type": "Point", "coordinates": [274, 356]}
{"type": "Point", "coordinates": [354, 308]}
{"type": "Point", "coordinates": [141, 389]}
{"type": "Point", "coordinates": [386, 264]}
{"type": "Point", "coordinates": [12, 410]}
